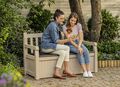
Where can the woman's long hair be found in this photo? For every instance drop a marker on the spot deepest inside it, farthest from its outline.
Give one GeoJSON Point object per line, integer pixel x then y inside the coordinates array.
{"type": "Point", "coordinates": [73, 14]}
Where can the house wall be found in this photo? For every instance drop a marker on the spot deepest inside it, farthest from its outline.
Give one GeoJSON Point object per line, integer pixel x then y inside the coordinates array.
{"type": "Point", "coordinates": [112, 5]}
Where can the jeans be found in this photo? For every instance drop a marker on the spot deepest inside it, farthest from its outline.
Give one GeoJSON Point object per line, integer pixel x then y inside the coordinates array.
{"type": "Point", "coordinates": [82, 58]}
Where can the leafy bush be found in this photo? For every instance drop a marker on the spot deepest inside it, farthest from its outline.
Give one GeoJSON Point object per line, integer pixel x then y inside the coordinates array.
{"type": "Point", "coordinates": [109, 50]}
{"type": "Point", "coordinates": [105, 56]}
{"type": "Point", "coordinates": [109, 47]}
{"type": "Point", "coordinates": [4, 57]}
{"type": "Point", "coordinates": [15, 24]}
{"type": "Point", "coordinates": [38, 17]}
{"type": "Point", "coordinates": [3, 37]}
{"type": "Point", "coordinates": [110, 26]}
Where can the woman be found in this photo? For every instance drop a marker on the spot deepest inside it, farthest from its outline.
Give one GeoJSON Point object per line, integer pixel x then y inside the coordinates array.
{"type": "Point", "coordinates": [51, 43]}
{"type": "Point", "coordinates": [73, 31]}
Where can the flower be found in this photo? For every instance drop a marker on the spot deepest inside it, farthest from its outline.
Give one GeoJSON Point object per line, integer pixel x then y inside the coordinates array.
{"type": "Point", "coordinates": [4, 75]}
{"type": "Point", "coordinates": [13, 80]}
{"type": "Point", "coordinates": [2, 82]}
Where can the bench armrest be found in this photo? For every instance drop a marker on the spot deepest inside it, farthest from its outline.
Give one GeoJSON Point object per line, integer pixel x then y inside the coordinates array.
{"type": "Point", "coordinates": [90, 43]}
{"type": "Point", "coordinates": [93, 44]}
{"type": "Point", "coordinates": [36, 48]}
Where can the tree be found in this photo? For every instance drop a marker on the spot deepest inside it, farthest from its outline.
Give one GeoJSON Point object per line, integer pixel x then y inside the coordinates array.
{"type": "Point", "coordinates": [96, 20]}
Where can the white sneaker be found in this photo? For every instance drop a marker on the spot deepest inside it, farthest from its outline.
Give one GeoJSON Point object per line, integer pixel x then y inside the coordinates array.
{"type": "Point", "coordinates": [90, 74]}
{"type": "Point", "coordinates": [85, 74]}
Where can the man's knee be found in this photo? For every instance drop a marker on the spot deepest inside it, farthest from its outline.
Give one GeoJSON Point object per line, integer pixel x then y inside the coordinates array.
{"type": "Point", "coordinates": [62, 52]}
{"type": "Point", "coordinates": [67, 48]}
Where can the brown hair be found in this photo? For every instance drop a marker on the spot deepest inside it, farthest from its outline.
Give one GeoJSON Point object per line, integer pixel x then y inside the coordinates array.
{"type": "Point", "coordinates": [57, 13]}
{"type": "Point", "coordinates": [73, 14]}
{"type": "Point", "coordinates": [69, 30]}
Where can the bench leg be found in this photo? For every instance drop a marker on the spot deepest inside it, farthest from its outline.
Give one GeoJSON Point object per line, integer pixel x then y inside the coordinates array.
{"type": "Point", "coordinates": [37, 78]}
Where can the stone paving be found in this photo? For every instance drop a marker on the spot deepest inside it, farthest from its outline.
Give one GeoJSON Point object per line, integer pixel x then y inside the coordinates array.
{"type": "Point", "coordinates": [105, 77]}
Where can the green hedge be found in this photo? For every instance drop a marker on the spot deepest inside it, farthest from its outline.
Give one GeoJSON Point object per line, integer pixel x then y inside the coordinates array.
{"type": "Point", "coordinates": [109, 50]}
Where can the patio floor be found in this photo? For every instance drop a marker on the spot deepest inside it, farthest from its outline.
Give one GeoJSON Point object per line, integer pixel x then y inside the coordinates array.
{"type": "Point", "coordinates": [105, 77]}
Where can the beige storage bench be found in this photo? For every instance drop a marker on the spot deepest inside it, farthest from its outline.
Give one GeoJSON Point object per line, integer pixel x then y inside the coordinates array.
{"type": "Point", "coordinates": [41, 65]}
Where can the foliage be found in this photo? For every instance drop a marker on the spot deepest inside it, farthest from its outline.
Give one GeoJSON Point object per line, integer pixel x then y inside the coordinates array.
{"type": "Point", "coordinates": [109, 47]}
{"type": "Point", "coordinates": [15, 24]}
{"type": "Point", "coordinates": [10, 77]}
{"type": "Point", "coordinates": [109, 50]}
{"type": "Point", "coordinates": [38, 17]}
{"type": "Point", "coordinates": [4, 57]}
{"type": "Point", "coordinates": [3, 37]}
{"type": "Point", "coordinates": [110, 26]}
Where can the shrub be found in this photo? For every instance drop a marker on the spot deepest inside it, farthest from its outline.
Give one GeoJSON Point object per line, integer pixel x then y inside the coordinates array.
{"type": "Point", "coordinates": [109, 50]}
{"type": "Point", "coordinates": [109, 47]}
{"type": "Point", "coordinates": [4, 57]}
{"type": "Point", "coordinates": [110, 26]}
{"type": "Point", "coordinates": [11, 19]}
{"type": "Point", "coordinates": [38, 17]}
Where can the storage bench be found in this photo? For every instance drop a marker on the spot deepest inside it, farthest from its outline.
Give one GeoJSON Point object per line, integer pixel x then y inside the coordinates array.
{"type": "Point", "coordinates": [41, 65]}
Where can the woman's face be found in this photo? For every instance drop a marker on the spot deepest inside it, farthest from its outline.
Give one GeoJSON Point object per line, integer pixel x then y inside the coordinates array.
{"type": "Point", "coordinates": [60, 19]}
{"type": "Point", "coordinates": [73, 21]}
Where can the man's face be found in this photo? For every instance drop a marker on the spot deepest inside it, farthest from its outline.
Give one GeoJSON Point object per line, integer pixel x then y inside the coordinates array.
{"type": "Point", "coordinates": [60, 19]}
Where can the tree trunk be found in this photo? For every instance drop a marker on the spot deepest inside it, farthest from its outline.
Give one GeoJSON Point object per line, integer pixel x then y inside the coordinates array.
{"type": "Point", "coordinates": [96, 20]}
{"type": "Point", "coordinates": [75, 6]}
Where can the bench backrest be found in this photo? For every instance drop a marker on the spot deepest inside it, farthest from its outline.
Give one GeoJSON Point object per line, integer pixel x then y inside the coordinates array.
{"type": "Point", "coordinates": [32, 38]}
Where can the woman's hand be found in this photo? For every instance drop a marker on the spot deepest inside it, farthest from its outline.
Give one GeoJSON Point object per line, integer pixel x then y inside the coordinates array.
{"type": "Point", "coordinates": [80, 50]}
{"type": "Point", "coordinates": [70, 39]}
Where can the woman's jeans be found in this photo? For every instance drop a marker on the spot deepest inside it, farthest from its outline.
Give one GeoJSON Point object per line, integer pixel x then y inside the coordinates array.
{"type": "Point", "coordinates": [82, 58]}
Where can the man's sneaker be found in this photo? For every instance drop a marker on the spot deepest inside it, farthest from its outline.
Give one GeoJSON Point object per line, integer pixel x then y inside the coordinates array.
{"type": "Point", "coordinates": [90, 74]}
{"type": "Point", "coordinates": [85, 74]}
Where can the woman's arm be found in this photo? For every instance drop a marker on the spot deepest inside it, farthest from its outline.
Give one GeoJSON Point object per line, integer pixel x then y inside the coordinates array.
{"type": "Point", "coordinates": [62, 41]}
{"type": "Point", "coordinates": [80, 39]}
